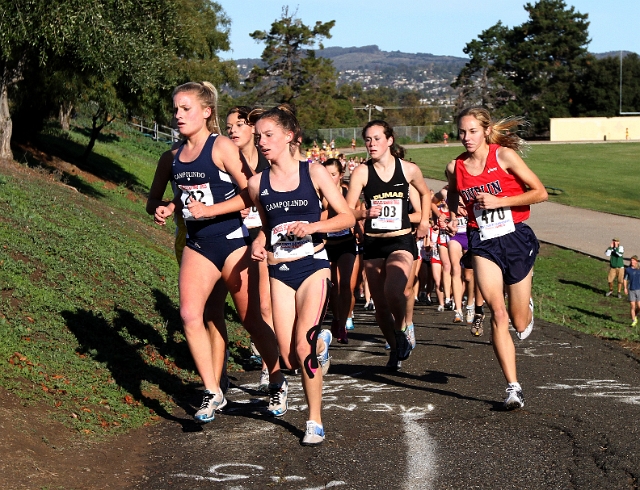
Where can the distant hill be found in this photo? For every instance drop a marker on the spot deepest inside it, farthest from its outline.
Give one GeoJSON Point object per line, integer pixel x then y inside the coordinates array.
{"type": "Point", "coordinates": [372, 58]}
{"type": "Point", "coordinates": [430, 75]}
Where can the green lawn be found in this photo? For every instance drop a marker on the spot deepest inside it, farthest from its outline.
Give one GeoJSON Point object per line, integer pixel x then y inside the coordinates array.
{"type": "Point", "coordinates": [603, 176]}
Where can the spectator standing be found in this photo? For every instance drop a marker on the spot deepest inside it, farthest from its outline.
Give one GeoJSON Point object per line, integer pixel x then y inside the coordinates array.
{"type": "Point", "coordinates": [632, 288]}
{"type": "Point", "coordinates": [615, 253]}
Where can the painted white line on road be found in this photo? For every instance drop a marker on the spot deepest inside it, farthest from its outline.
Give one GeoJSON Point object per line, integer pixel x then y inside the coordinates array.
{"type": "Point", "coordinates": [357, 354]}
{"type": "Point", "coordinates": [421, 453]}
{"type": "Point", "coordinates": [599, 388]}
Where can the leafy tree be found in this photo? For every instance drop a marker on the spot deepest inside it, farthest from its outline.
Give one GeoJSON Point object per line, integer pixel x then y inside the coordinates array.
{"type": "Point", "coordinates": [532, 69]}
{"type": "Point", "coordinates": [125, 55]}
{"type": "Point", "coordinates": [598, 93]}
{"type": "Point", "coordinates": [481, 81]}
{"type": "Point", "coordinates": [290, 72]}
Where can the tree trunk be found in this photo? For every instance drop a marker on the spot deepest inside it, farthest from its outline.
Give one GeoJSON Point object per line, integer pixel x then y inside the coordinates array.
{"type": "Point", "coordinates": [64, 115]}
{"type": "Point", "coordinates": [6, 126]}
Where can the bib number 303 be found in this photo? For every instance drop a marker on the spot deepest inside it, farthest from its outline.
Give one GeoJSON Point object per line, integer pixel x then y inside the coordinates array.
{"type": "Point", "coordinates": [494, 223]}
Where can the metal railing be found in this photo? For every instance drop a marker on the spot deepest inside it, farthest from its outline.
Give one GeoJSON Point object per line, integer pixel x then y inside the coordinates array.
{"type": "Point", "coordinates": [157, 132]}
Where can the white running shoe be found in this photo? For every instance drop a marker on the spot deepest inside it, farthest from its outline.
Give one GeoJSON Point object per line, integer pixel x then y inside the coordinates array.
{"type": "Point", "coordinates": [527, 331]}
{"type": "Point", "coordinates": [263, 385]}
{"type": "Point", "coordinates": [458, 317]}
{"type": "Point", "coordinates": [211, 403]}
{"type": "Point", "coordinates": [470, 314]}
{"type": "Point", "coordinates": [314, 435]}
{"type": "Point", "coordinates": [515, 397]}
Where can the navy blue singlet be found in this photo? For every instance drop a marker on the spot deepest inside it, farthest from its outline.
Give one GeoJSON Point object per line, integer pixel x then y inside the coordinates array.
{"type": "Point", "coordinates": [203, 181]}
{"type": "Point", "coordinates": [300, 204]}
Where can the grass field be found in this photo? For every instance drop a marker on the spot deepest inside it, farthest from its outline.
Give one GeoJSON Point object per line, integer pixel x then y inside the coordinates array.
{"type": "Point", "coordinates": [88, 288]}
{"type": "Point", "coordinates": [602, 177]}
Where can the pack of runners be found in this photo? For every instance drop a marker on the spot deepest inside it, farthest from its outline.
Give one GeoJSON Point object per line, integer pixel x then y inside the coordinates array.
{"type": "Point", "coordinates": [289, 239]}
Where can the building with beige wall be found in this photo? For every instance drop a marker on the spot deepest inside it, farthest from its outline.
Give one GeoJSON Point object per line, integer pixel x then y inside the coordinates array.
{"type": "Point", "coordinates": [595, 128]}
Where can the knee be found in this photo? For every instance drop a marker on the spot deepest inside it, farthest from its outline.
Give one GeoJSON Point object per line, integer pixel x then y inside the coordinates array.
{"type": "Point", "coordinates": [500, 318]}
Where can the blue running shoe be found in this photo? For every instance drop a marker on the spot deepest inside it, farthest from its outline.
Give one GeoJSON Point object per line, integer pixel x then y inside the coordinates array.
{"type": "Point", "coordinates": [314, 435]}
{"type": "Point", "coordinates": [211, 403]}
{"type": "Point", "coordinates": [350, 324]}
{"type": "Point", "coordinates": [403, 345]}
{"type": "Point", "coordinates": [411, 335]}
{"type": "Point", "coordinates": [323, 358]}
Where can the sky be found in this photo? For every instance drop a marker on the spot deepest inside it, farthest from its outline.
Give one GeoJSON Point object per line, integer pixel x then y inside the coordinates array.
{"type": "Point", "coordinates": [423, 26]}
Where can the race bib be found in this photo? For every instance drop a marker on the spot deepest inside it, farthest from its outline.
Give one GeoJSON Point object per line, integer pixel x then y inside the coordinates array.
{"type": "Point", "coordinates": [288, 246]}
{"type": "Point", "coordinates": [253, 218]}
{"type": "Point", "coordinates": [462, 224]}
{"type": "Point", "coordinates": [198, 192]}
{"type": "Point", "coordinates": [494, 223]}
{"type": "Point", "coordinates": [390, 216]}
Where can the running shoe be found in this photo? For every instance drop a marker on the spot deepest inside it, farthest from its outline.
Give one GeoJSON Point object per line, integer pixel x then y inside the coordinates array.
{"type": "Point", "coordinates": [393, 364]}
{"type": "Point", "coordinates": [609, 293]}
{"type": "Point", "coordinates": [255, 355]}
{"type": "Point", "coordinates": [211, 403]}
{"type": "Point", "coordinates": [515, 397]}
{"type": "Point", "coordinates": [403, 345]}
{"type": "Point", "coordinates": [278, 398]}
{"type": "Point", "coordinates": [411, 335]}
{"type": "Point", "coordinates": [458, 317]}
{"type": "Point", "coordinates": [263, 385]}
{"type": "Point", "coordinates": [314, 435]}
{"type": "Point", "coordinates": [448, 305]}
{"type": "Point", "coordinates": [349, 325]}
{"type": "Point", "coordinates": [619, 296]}
{"type": "Point", "coordinates": [634, 322]}
{"type": "Point", "coordinates": [387, 346]}
{"type": "Point", "coordinates": [428, 301]}
{"type": "Point", "coordinates": [476, 326]}
{"type": "Point", "coordinates": [527, 331]}
{"type": "Point", "coordinates": [368, 305]}
{"type": "Point", "coordinates": [323, 358]}
{"type": "Point", "coordinates": [440, 308]}
{"type": "Point", "coordinates": [470, 314]}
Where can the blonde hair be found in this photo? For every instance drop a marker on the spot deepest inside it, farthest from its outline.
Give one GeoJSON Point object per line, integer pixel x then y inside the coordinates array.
{"type": "Point", "coordinates": [208, 97]}
{"type": "Point", "coordinates": [500, 133]}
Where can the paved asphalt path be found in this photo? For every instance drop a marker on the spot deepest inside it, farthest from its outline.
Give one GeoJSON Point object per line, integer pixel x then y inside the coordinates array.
{"type": "Point", "coordinates": [438, 423]}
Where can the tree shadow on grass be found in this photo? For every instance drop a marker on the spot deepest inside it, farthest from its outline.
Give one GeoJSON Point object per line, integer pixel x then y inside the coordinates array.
{"type": "Point", "coordinates": [98, 165]}
{"type": "Point", "coordinates": [582, 285]}
{"type": "Point", "coordinates": [127, 362]}
{"type": "Point", "coordinates": [593, 314]}
{"type": "Point", "coordinates": [72, 180]}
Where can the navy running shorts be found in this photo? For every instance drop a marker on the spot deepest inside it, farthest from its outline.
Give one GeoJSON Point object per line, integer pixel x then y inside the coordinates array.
{"type": "Point", "coordinates": [294, 273]}
{"type": "Point", "coordinates": [515, 253]}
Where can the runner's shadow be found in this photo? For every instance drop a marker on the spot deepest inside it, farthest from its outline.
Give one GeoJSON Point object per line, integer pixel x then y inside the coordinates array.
{"type": "Point", "coordinates": [130, 362]}
{"type": "Point", "coordinates": [582, 285]}
{"type": "Point", "coordinates": [400, 379]}
{"type": "Point", "coordinates": [593, 314]}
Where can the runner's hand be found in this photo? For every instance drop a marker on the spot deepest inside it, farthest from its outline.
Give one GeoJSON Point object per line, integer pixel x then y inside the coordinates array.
{"type": "Point", "coordinates": [161, 215]}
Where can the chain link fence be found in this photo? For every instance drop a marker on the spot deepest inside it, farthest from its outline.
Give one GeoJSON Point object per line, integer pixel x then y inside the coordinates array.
{"type": "Point", "coordinates": [404, 134]}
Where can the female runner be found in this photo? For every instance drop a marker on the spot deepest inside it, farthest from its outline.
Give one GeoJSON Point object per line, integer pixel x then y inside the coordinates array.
{"type": "Point", "coordinates": [289, 197]}
{"type": "Point", "coordinates": [497, 189]}
{"type": "Point", "coordinates": [213, 316]}
{"type": "Point", "coordinates": [341, 250]}
{"type": "Point", "coordinates": [389, 246]}
{"type": "Point", "coordinates": [241, 131]}
{"type": "Point", "coordinates": [205, 167]}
